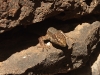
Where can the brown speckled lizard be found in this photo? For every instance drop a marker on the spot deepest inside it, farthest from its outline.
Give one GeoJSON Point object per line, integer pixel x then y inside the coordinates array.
{"type": "Point", "coordinates": [55, 36]}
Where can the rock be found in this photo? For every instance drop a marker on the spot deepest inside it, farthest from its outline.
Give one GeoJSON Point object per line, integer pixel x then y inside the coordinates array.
{"type": "Point", "coordinates": [95, 66]}
{"type": "Point", "coordinates": [25, 12]}
{"type": "Point", "coordinates": [81, 42]}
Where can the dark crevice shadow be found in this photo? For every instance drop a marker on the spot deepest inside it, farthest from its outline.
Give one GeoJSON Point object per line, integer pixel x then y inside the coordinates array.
{"type": "Point", "coordinates": [16, 40]}
{"type": "Point", "coordinates": [17, 14]}
{"type": "Point", "coordinates": [94, 55]}
{"type": "Point", "coordinates": [88, 2]}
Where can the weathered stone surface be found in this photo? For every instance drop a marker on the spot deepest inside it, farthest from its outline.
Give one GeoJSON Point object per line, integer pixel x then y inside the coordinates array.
{"type": "Point", "coordinates": [26, 12]}
{"type": "Point", "coordinates": [35, 60]}
{"type": "Point", "coordinates": [96, 66]}
{"type": "Point", "coordinates": [91, 67]}
{"type": "Point", "coordinates": [86, 37]}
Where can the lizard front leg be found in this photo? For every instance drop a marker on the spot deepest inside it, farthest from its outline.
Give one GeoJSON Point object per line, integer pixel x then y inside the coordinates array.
{"type": "Point", "coordinates": [42, 39]}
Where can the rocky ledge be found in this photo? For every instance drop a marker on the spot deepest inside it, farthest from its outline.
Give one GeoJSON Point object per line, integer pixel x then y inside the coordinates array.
{"type": "Point", "coordinates": [81, 43]}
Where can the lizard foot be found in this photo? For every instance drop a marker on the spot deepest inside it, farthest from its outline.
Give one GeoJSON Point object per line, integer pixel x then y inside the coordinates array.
{"type": "Point", "coordinates": [45, 46]}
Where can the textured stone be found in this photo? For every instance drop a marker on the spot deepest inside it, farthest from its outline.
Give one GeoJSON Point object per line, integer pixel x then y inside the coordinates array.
{"type": "Point", "coordinates": [37, 60]}
{"type": "Point", "coordinates": [26, 12]}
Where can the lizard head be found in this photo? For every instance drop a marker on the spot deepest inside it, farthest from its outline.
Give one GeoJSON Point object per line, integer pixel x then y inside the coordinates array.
{"type": "Point", "coordinates": [56, 36]}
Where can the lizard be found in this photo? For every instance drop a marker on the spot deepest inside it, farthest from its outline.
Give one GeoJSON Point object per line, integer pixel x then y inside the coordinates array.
{"type": "Point", "coordinates": [56, 36]}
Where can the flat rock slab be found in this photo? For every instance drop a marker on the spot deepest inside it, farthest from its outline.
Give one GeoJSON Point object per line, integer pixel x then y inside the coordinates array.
{"type": "Point", "coordinates": [19, 62]}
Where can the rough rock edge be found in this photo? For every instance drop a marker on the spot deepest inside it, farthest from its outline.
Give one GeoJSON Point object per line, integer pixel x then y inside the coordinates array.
{"type": "Point", "coordinates": [38, 61]}
{"type": "Point", "coordinates": [95, 66]}
{"type": "Point", "coordinates": [26, 12]}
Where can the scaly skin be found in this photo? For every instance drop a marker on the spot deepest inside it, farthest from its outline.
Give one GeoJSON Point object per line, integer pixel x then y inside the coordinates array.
{"type": "Point", "coordinates": [55, 36]}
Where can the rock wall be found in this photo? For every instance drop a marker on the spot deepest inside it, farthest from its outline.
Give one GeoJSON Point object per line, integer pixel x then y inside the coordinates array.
{"type": "Point", "coordinates": [26, 12]}
{"type": "Point", "coordinates": [22, 22]}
